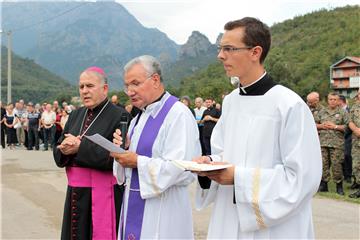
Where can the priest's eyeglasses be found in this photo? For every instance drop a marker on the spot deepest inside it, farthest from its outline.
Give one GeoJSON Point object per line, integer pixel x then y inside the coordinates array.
{"type": "Point", "coordinates": [230, 49]}
{"type": "Point", "coordinates": [135, 85]}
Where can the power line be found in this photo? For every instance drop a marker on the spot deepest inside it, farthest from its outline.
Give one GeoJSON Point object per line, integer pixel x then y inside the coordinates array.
{"type": "Point", "coordinates": [49, 19]}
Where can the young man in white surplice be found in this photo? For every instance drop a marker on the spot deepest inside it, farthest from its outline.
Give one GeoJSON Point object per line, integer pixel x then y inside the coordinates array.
{"type": "Point", "coordinates": [268, 134]}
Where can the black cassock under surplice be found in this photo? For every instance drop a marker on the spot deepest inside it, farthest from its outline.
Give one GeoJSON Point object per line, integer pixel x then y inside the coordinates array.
{"type": "Point", "coordinates": [77, 220]}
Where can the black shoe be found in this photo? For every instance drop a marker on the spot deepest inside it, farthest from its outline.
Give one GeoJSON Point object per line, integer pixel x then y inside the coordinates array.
{"type": "Point", "coordinates": [323, 187]}
{"type": "Point", "coordinates": [355, 194]}
{"type": "Point", "coordinates": [29, 149]}
{"type": "Point", "coordinates": [339, 188]}
{"type": "Point", "coordinates": [355, 186]}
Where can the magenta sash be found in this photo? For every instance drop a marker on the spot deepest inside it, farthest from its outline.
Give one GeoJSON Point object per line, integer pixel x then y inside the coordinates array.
{"type": "Point", "coordinates": [102, 199]}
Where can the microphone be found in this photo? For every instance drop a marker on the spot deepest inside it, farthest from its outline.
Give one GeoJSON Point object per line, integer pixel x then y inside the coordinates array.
{"type": "Point", "coordinates": [123, 128]}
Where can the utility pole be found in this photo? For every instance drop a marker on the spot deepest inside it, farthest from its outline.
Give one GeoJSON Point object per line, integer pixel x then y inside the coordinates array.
{"type": "Point", "coordinates": [9, 68]}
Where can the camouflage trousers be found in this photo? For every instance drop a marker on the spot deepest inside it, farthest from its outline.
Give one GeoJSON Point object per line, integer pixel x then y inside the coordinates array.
{"type": "Point", "coordinates": [332, 157]}
{"type": "Point", "coordinates": [355, 152]}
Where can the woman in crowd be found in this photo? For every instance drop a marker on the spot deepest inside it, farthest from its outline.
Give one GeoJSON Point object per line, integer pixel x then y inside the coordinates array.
{"type": "Point", "coordinates": [10, 120]}
{"type": "Point", "coordinates": [64, 116]}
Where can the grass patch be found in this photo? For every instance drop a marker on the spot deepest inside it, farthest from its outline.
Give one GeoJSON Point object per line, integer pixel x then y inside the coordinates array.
{"type": "Point", "coordinates": [332, 193]}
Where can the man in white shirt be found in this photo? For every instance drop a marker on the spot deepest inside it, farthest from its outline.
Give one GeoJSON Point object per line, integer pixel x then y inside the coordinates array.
{"type": "Point", "coordinates": [199, 111]}
{"type": "Point", "coordinates": [156, 202]}
{"type": "Point", "coordinates": [48, 118]}
{"type": "Point", "coordinates": [268, 134]}
{"type": "Point", "coordinates": [21, 113]}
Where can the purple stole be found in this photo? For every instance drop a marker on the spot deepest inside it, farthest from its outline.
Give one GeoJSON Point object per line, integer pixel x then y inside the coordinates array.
{"type": "Point", "coordinates": [136, 204]}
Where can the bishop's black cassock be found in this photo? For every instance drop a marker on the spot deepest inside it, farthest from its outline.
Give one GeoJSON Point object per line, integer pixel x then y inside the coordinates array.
{"type": "Point", "coordinates": [78, 221]}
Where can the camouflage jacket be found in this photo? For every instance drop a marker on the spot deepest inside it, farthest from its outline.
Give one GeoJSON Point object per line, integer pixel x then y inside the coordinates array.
{"type": "Point", "coordinates": [331, 137]}
{"type": "Point", "coordinates": [315, 111]}
{"type": "Point", "coordinates": [355, 118]}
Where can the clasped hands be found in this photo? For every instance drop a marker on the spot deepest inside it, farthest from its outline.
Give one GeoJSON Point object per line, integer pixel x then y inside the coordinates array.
{"type": "Point", "coordinates": [223, 176]}
{"type": "Point", "coordinates": [329, 125]}
{"type": "Point", "coordinates": [70, 145]}
{"type": "Point", "coordinates": [127, 159]}
{"type": "Point", "coordinates": [207, 118]}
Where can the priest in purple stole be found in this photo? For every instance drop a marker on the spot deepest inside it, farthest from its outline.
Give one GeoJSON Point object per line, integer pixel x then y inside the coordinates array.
{"type": "Point", "coordinates": [93, 199]}
{"type": "Point", "coordinates": [156, 200]}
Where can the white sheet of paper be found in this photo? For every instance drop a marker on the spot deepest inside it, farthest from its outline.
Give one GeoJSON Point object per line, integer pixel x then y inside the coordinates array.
{"type": "Point", "coordinates": [193, 166]}
{"type": "Point", "coordinates": [103, 142]}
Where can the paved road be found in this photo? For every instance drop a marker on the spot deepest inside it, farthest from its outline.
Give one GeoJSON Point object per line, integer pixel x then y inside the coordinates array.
{"type": "Point", "coordinates": [33, 192]}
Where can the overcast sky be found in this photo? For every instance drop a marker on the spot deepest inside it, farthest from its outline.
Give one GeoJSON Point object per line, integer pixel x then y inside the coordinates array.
{"type": "Point", "coordinates": [178, 18]}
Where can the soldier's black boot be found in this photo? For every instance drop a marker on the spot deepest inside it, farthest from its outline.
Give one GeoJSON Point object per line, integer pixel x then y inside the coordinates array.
{"type": "Point", "coordinates": [323, 187]}
{"type": "Point", "coordinates": [339, 188]}
{"type": "Point", "coordinates": [354, 186]}
{"type": "Point", "coordinates": [355, 194]}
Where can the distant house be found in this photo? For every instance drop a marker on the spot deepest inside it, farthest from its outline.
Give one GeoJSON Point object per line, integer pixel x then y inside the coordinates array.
{"type": "Point", "coordinates": [345, 76]}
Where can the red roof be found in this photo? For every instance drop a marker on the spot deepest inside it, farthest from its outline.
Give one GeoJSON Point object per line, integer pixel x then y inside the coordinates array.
{"type": "Point", "coordinates": [351, 58]}
{"type": "Point", "coordinates": [355, 59]}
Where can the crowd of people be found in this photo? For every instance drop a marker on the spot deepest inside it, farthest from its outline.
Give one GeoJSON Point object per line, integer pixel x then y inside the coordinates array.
{"type": "Point", "coordinates": [30, 126]}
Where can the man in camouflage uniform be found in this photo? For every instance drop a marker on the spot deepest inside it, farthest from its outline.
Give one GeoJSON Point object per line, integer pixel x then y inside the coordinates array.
{"type": "Point", "coordinates": [312, 101]}
{"type": "Point", "coordinates": [331, 122]}
{"type": "Point", "coordinates": [355, 127]}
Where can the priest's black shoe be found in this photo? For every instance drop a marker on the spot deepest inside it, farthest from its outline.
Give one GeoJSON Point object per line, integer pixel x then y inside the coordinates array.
{"type": "Point", "coordinates": [323, 187]}
{"type": "Point", "coordinates": [355, 194]}
{"type": "Point", "coordinates": [339, 188]}
{"type": "Point", "coordinates": [355, 186]}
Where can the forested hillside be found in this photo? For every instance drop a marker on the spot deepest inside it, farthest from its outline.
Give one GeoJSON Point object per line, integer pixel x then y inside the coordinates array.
{"type": "Point", "coordinates": [31, 82]}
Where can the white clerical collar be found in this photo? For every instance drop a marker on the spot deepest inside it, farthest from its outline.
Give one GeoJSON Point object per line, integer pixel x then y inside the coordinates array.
{"type": "Point", "coordinates": [244, 87]}
{"type": "Point", "coordinates": [154, 108]}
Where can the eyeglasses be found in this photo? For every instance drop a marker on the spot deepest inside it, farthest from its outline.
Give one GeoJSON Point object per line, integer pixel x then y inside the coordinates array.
{"type": "Point", "coordinates": [135, 85]}
{"type": "Point", "coordinates": [229, 49]}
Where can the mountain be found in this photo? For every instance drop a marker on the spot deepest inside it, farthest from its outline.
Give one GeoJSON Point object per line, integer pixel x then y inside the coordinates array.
{"type": "Point", "coordinates": [74, 35]}
{"type": "Point", "coordinates": [303, 49]}
{"type": "Point", "coordinates": [66, 37]}
{"type": "Point", "coordinates": [198, 52]}
{"type": "Point", "coordinates": [31, 82]}
{"type": "Point", "coordinates": [196, 45]}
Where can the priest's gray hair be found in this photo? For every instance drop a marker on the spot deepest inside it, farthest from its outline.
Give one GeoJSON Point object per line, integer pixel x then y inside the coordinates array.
{"type": "Point", "coordinates": [150, 63]}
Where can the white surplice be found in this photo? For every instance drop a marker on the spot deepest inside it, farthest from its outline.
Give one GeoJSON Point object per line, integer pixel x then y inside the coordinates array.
{"type": "Point", "coordinates": [163, 185]}
{"type": "Point", "coordinates": [273, 142]}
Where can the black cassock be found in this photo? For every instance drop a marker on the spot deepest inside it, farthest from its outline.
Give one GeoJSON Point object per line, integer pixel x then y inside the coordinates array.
{"type": "Point", "coordinates": [77, 220]}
